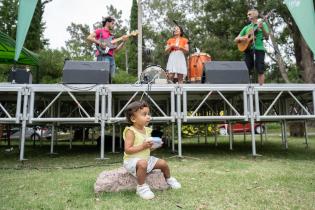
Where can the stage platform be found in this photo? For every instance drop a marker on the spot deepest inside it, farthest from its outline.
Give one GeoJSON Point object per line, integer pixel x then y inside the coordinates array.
{"type": "Point", "coordinates": [101, 105]}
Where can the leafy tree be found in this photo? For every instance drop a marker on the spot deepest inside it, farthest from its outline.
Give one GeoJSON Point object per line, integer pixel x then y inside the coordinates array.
{"type": "Point", "coordinates": [77, 46]}
{"type": "Point", "coordinates": [8, 22]}
{"type": "Point", "coordinates": [8, 17]}
{"type": "Point", "coordinates": [123, 77]}
{"type": "Point", "coordinates": [212, 26]}
{"type": "Point", "coordinates": [35, 40]}
{"type": "Point", "coordinates": [132, 46]}
{"type": "Point", "coordinates": [51, 64]}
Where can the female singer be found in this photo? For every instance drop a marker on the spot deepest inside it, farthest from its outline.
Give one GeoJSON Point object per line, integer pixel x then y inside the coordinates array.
{"type": "Point", "coordinates": [177, 46]}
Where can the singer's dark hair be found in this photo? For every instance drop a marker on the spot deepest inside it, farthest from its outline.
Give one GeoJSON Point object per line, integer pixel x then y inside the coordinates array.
{"type": "Point", "coordinates": [107, 19]}
{"type": "Point", "coordinates": [181, 30]}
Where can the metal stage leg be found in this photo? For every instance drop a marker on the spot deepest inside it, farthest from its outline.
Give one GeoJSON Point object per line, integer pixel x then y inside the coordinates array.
{"type": "Point", "coordinates": [216, 139]}
{"type": "Point", "coordinates": [252, 121]}
{"type": "Point", "coordinates": [206, 134]}
{"type": "Point", "coordinates": [103, 115]}
{"type": "Point", "coordinates": [93, 135]}
{"type": "Point", "coordinates": [306, 134]}
{"type": "Point", "coordinates": [83, 136]}
{"type": "Point", "coordinates": [53, 137]}
{"type": "Point", "coordinates": [244, 136]}
{"type": "Point", "coordinates": [198, 134]}
{"type": "Point", "coordinates": [114, 139]}
{"type": "Point", "coordinates": [120, 138]}
{"type": "Point", "coordinates": [230, 136]}
{"type": "Point", "coordinates": [261, 139]}
{"type": "Point", "coordinates": [179, 123]}
{"type": "Point", "coordinates": [282, 134]}
{"type": "Point", "coordinates": [70, 138]}
{"type": "Point", "coordinates": [169, 136]}
{"type": "Point", "coordinates": [285, 134]}
{"type": "Point", "coordinates": [173, 137]}
{"type": "Point", "coordinates": [265, 126]}
{"type": "Point", "coordinates": [24, 118]}
{"type": "Point", "coordinates": [179, 126]}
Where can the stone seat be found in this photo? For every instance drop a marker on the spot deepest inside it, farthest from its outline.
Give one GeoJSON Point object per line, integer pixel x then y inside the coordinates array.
{"type": "Point", "coordinates": [120, 180]}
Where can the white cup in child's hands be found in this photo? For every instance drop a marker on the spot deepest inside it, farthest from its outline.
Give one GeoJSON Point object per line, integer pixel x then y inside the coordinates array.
{"type": "Point", "coordinates": [157, 142]}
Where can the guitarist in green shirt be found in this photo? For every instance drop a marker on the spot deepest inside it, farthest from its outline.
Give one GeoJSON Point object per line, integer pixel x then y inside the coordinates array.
{"type": "Point", "coordinates": [250, 41]}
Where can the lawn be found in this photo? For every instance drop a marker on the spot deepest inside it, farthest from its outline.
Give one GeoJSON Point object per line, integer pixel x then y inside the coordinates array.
{"type": "Point", "coordinates": [211, 177]}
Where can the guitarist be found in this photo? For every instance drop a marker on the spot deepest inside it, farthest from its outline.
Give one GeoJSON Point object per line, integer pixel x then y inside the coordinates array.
{"type": "Point", "coordinates": [255, 53]}
{"type": "Point", "coordinates": [102, 34]}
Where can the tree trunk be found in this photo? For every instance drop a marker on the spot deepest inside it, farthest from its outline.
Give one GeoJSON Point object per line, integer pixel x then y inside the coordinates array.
{"type": "Point", "coordinates": [278, 58]}
{"type": "Point", "coordinates": [303, 55]}
{"type": "Point", "coordinates": [306, 63]}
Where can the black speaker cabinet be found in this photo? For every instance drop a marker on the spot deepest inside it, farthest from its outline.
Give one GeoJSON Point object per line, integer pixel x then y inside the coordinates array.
{"type": "Point", "coordinates": [20, 76]}
{"type": "Point", "coordinates": [226, 72]}
{"type": "Point", "coordinates": [86, 72]}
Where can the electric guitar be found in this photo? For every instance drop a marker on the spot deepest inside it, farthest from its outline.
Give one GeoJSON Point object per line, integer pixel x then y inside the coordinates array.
{"type": "Point", "coordinates": [110, 43]}
{"type": "Point", "coordinates": [244, 44]}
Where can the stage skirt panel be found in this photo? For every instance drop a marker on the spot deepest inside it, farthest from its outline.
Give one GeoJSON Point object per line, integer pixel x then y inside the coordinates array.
{"type": "Point", "coordinates": [177, 63]}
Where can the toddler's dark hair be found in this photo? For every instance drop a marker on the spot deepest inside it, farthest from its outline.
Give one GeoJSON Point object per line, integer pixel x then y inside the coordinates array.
{"type": "Point", "coordinates": [133, 107]}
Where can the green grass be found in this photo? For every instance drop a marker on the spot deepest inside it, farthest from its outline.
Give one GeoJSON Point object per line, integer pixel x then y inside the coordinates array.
{"type": "Point", "coordinates": [215, 178]}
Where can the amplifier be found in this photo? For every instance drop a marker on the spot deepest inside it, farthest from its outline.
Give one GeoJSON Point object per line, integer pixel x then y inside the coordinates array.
{"type": "Point", "coordinates": [226, 72]}
{"type": "Point", "coordinates": [86, 72]}
{"type": "Point", "coordinates": [20, 76]}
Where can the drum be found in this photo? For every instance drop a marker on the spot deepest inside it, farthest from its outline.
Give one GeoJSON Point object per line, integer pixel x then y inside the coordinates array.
{"type": "Point", "coordinates": [195, 66]}
{"type": "Point", "coordinates": [153, 74]}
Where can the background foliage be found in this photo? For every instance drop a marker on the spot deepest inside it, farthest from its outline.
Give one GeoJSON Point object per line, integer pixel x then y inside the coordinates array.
{"type": "Point", "coordinates": [210, 25]}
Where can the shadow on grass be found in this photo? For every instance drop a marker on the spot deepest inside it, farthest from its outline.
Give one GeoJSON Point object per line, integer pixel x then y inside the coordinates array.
{"type": "Point", "coordinates": [85, 155]}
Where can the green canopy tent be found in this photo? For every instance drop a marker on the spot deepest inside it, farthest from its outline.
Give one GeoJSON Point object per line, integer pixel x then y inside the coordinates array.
{"type": "Point", "coordinates": [7, 52]}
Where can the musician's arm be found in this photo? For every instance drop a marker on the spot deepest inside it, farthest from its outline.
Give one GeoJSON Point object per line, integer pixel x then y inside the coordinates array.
{"type": "Point", "coordinates": [241, 36]}
{"type": "Point", "coordinates": [119, 46]}
{"type": "Point", "coordinates": [92, 38]}
{"type": "Point", "coordinates": [124, 39]}
{"type": "Point", "coordinates": [168, 48]}
{"type": "Point", "coordinates": [185, 49]}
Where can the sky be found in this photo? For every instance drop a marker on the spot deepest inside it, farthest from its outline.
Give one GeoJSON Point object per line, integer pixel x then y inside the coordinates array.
{"type": "Point", "coordinates": [59, 14]}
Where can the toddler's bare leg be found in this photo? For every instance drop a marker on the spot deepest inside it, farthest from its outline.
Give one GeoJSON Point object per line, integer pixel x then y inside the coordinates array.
{"type": "Point", "coordinates": [141, 171]}
{"type": "Point", "coordinates": [162, 165]}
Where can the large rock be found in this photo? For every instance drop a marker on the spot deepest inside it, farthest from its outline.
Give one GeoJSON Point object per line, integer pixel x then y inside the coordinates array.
{"type": "Point", "coordinates": [120, 180]}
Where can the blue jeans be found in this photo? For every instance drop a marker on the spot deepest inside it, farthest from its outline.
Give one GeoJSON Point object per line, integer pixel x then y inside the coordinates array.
{"type": "Point", "coordinates": [111, 61]}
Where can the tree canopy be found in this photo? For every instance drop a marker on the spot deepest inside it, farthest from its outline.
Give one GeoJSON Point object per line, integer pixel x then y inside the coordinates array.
{"type": "Point", "coordinates": [210, 26]}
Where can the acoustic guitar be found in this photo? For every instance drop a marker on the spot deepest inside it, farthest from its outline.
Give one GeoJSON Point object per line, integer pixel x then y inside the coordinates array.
{"type": "Point", "coordinates": [244, 44]}
{"type": "Point", "coordinates": [110, 43]}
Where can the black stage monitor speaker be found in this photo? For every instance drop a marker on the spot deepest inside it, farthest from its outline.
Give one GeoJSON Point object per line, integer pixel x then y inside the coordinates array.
{"type": "Point", "coordinates": [226, 72]}
{"type": "Point", "coordinates": [86, 72]}
{"type": "Point", "coordinates": [20, 76]}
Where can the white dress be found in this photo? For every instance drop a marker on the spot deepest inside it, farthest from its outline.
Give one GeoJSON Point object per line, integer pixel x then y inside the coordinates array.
{"type": "Point", "coordinates": [177, 62]}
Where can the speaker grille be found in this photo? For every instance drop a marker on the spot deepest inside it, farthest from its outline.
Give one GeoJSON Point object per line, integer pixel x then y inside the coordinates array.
{"type": "Point", "coordinates": [86, 72]}
{"type": "Point", "coordinates": [226, 72]}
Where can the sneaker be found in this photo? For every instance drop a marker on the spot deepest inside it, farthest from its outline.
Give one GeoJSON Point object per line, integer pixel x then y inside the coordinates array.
{"type": "Point", "coordinates": [145, 192]}
{"type": "Point", "coordinates": [173, 183]}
